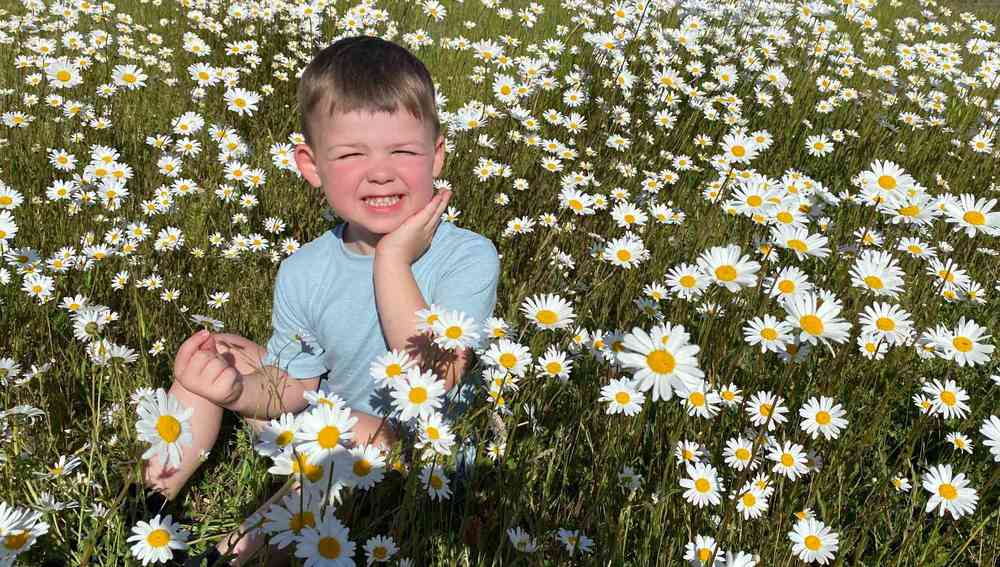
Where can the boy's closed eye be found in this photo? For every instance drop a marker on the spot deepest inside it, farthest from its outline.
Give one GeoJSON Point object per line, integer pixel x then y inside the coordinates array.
{"type": "Point", "coordinates": [404, 152]}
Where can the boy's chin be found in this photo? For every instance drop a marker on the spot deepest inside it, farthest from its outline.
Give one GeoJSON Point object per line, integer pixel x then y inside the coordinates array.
{"type": "Point", "coordinates": [379, 228]}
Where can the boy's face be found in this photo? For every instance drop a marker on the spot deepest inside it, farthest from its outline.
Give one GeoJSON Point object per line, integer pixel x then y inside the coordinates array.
{"type": "Point", "coordinates": [363, 161]}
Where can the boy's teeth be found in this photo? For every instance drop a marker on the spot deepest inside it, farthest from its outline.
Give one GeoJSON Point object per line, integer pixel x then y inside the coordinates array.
{"type": "Point", "coordinates": [382, 201]}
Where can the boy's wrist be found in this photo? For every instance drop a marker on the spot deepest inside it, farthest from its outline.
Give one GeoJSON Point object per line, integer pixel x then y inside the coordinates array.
{"type": "Point", "coordinates": [391, 262]}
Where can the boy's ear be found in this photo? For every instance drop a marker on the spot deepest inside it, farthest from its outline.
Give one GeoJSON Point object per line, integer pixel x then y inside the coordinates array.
{"type": "Point", "coordinates": [306, 162]}
{"type": "Point", "coordinates": [438, 155]}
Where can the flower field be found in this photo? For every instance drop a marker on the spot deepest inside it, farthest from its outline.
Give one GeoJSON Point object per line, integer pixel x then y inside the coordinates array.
{"type": "Point", "coordinates": [747, 310]}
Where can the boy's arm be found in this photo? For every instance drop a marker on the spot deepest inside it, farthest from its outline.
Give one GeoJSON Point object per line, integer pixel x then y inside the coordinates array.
{"type": "Point", "coordinates": [397, 299]}
{"type": "Point", "coordinates": [262, 390]}
{"type": "Point", "coordinates": [269, 392]}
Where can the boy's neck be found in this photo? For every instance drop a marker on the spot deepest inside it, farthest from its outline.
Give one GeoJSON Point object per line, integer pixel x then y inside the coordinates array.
{"type": "Point", "coordinates": [359, 240]}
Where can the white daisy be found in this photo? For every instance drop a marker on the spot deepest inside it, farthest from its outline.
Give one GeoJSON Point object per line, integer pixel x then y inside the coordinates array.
{"type": "Point", "coordinates": [949, 493]}
{"type": "Point", "coordinates": [154, 541]}
{"type": "Point", "coordinates": [663, 359]}
{"type": "Point", "coordinates": [420, 394]}
{"type": "Point", "coordinates": [166, 424]}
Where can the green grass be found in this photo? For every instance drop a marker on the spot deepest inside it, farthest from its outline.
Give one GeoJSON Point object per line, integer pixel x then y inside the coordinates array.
{"type": "Point", "coordinates": [561, 467]}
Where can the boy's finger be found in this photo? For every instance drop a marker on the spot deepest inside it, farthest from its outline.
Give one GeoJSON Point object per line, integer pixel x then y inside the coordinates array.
{"type": "Point", "coordinates": [190, 346]}
{"type": "Point", "coordinates": [438, 209]}
{"type": "Point", "coordinates": [199, 361]}
{"type": "Point", "coordinates": [209, 344]}
{"type": "Point", "coordinates": [431, 206]}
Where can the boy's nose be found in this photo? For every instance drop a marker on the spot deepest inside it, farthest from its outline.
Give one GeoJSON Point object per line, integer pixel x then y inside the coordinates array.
{"type": "Point", "coordinates": [380, 173]}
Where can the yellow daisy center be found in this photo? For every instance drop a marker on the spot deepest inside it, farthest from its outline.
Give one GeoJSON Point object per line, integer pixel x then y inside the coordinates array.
{"type": "Point", "coordinates": [812, 542]}
{"type": "Point", "coordinates": [787, 459]}
{"type": "Point", "coordinates": [301, 520]}
{"type": "Point", "coordinates": [624, 255]}
{"type": "Point", "coordinates": [661, 362]}
{"type": "Point", "coordinates": [168, 428]}
{"type": "Point", "coordinates": [697, 399]}
{"type": "Point", "coordinates": [974, 218]}
{"type": "Point", "coordinates": [726, 273]}
{"type": "Point", "coordinates": [393, 370]}
{"type": "Point", "coordinates": [507, 360]}
{"type": "Point", "coordinates": [786, 286]}
{"type": "Point", "coordinates": [553, 368]}
{"type": "Point", "coordinates": [887, 182]}
{"type": "Point", "coordinates": [16, 541]}
{"type": "Point", "coordinates": [453, 332]}
{"type": "Point", "coordinates": [743, 454]}
{"type": "Point", "coordinates": [962, 344]}
{"type": "Point", "coordinates": [822, 417]}
{"type": "Point", "coordinates": [329, 436]}
{"type": "Point", "coordinates": [947, 491]}
{"type": "Point", "coordinates": [158, 538]}
{"type": "Point", "coordinates": [284, 438]}
{"type": "Point", "coordinates": [547, 317]}
{"type": "Point", "coordinates": [749, 499]}
{"type": "Point", "coordinates": [874, 282]}
{"type": "Point", "coordinates": [769, 334]}
{"type": "Point", "coordinates": [687, 281]}
{"type": "Point", "coordinates": [948, 397]}
{"type": "Point", "coordinates": [622, 398]}
{"type": "Point", "coordinates": [812, 325]}
{"type": "Point", "coordinates": [302, 465]}
{"type": "Point", "coordinates": [361, 467]}
{"type": "Point", "coordinates": [885, 324]}
{"type": "Point", "coordinates": [702, 485]}
{"type": "Point", "coordinates": [418, 395]}
{"type": "Point", "coordinates": [797, 245]}
{"type": "Point", "coordinates": [738, 151]}
{"type": "Point", "coordinates": [329, 547]}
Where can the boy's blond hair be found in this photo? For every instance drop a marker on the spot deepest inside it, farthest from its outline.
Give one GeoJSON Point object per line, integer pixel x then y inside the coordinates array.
{"type": "Point", "coordinates": [366, 73]}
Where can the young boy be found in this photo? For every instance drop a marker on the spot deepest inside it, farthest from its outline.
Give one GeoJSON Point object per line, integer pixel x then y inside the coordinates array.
{"type": "Point", "coordinates": [373, 146]}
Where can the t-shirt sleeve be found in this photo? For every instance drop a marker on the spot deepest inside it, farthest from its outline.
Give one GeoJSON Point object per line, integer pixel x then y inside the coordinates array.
{"type": "Point", "coordinates": [469, 281]}
{"type": "Point", "coordinates": [293, 346]}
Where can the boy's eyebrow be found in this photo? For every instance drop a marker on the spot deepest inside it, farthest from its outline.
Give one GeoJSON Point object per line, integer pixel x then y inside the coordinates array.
{"type": "Point", "coordinates": [361, 145]}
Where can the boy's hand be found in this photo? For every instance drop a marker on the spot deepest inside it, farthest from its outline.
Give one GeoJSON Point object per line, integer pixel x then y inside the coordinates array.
{"type": "Point", "coordinates": [202, 370]}
{"type": "Point", "coordinates": [413, 237]}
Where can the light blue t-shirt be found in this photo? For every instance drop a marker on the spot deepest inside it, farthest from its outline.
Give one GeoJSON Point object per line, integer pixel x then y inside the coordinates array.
{"type": "Point", "coordinates": [324, 316]}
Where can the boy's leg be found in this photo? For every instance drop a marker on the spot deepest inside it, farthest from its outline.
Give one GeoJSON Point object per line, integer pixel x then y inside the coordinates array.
{"type": "Point", "coordinates": [244, 548]}
{"type": "Point", "coordinates": [205, 421]}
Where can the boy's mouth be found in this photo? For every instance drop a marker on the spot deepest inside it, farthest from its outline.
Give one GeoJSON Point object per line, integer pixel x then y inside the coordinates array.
{"type": "Point", "coordinates": [387, 202]}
